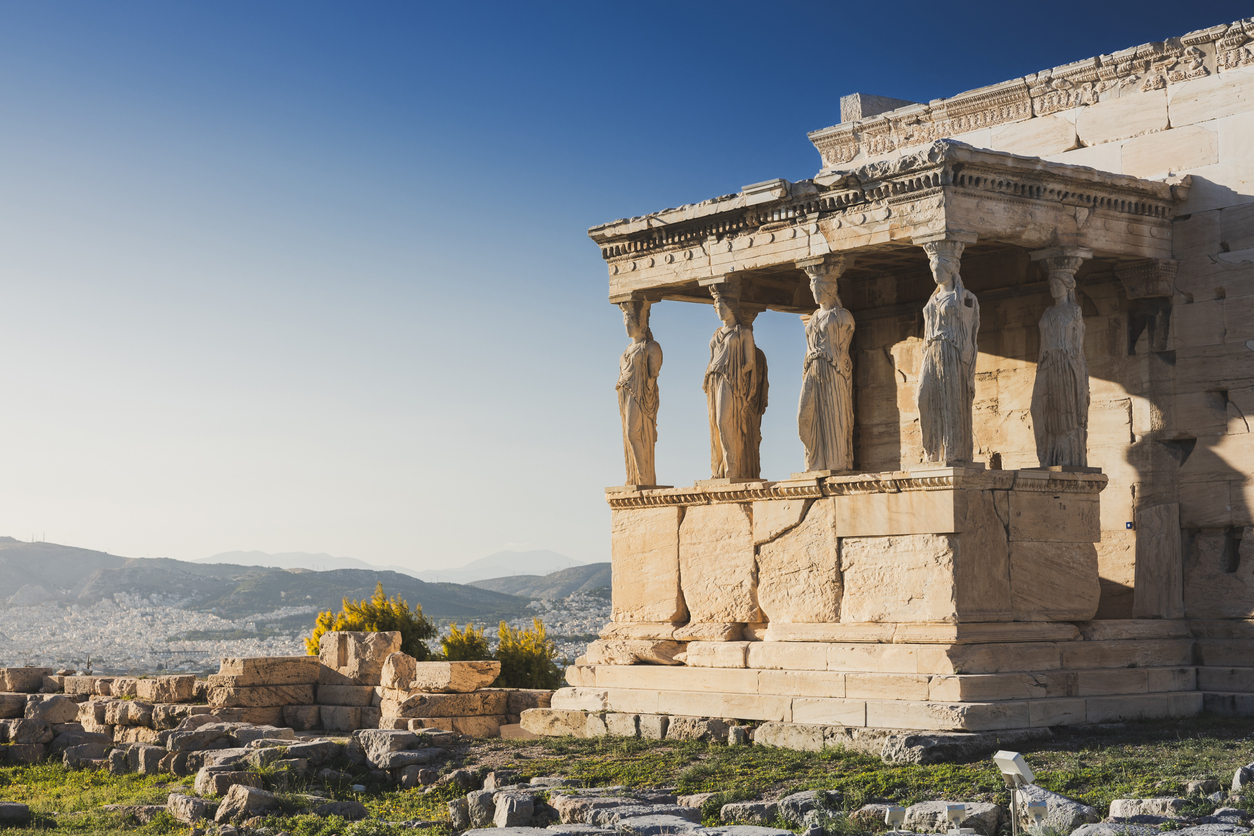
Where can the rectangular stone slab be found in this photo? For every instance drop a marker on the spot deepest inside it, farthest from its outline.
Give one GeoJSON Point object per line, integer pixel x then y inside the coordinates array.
{"type": "Point", "coordinates": [645, 565]}
{"type": "Point", "coordinates": [273, 695]}
{"type": "Point", "coordinates": [716, 558]}
{"type": "Point", "coordinates": [269, 670]}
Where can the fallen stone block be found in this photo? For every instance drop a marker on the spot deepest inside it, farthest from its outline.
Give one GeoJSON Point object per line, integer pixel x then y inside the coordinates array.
{"type": "Point", "coordinates": [186, 808]}
{"type": "Point", "coordinates": [13, 814]}
{"type": "Point", "coordinates": [481, 807]}
{"type": "Point", "coordinates": [1116, 829]}
{"type": "Point", "coordinates": [794, 808]}
{"type": "Point", "coordinates": [226, 758]}
{"type": "Point", "coordinates": [655, 824]}
{"type": "Point", "coordinates": [933, 817]}
{"type": "Point", "coordinates": [82, 684]}
{"type": "Point", "coordinates": [247, 734]}
{"type": "Point", "coordinates": [613, 816]}
{"type": "Point", "coordinates": [750, 830]}
{"type": "Point", "coordinates": [412, 757]}
{"type": "Point", "coordinates": [554, 722]}
{"type": "Point", "coordinates": [513, 810]}
{"type": "Point", "coordinates": [459, 814]}
{"type": "Point", "coordinates": [139, 734]}
{"type": "Point", "coordinates": [26, 752]}
{"type": "Point", "coordinates": [696, 728]}
{"type": "Point", "coordinates": [355, 658]}
{"type": "Point", "coordinates": [418, 776]}
{"type": "Point", "coordinates": [23, 680]}
{"type": "Point", "coordinates": [419, 704]}
{"type": "Point", "coordinates": [214, 782]}
{"type": "Point", "coordinates": [29, 731]}
{"type": "Point", "coordinates": [207, 736]}
{"type": "Point", "coordinates": [243, 802]}
{"type": "Point", "coordinates": [116, 762]}
{"type": "Point", "coordinates": [136, 813]}
{"type": "Point", "coordinates": [340, 717]}
{"type": "Point", "coordinates": [1126, 808]}
{"type": "Point", "coordinates": [301, 717]}
{"type": "Point", "coordinates": [123, 686]}
{"type": "Point", "coordinates": [168, 689]}
{"type": "Point", "coordinates": [749, 812]}
{"type": "Point", "coordinates": [356, 695]}
{"type": "Point", "coordinates": [53, 708]}
{"type": "Point", "coordinates": [246, 671]}
{"type": "Point", "coordinates": [145, 760]}
{"type": "Point", "coordinates": [128, 713]}
{"type": "Point", "coordinates": [262, 715]}
{"type": "Point", "coordinates": [168, 716]}
{"type": "Point", "coordinates": [653, 726]}
{"type": "Point", "coordinates": [76, 757]}
{"type": "Point", "coordinates": [261, 696]}
{"type": "Point", "coordinates": [12, 706]}
{"type": "Point", "coordinates": [1061, 813]}
{"type": "Point", "coordinates": [403, 672]}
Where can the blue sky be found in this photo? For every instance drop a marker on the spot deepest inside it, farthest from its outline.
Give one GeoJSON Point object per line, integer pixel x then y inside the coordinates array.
{"type": "Point", "coordinates": [301, 276]}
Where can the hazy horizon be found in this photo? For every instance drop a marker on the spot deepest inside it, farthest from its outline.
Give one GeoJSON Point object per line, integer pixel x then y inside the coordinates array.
{"type": "Point", "coordinates": [315, 277]}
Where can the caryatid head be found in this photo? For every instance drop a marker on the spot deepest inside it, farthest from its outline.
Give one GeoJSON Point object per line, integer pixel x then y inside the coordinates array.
{"type": "Point", "coordinates": [823, 273]}
{"type": "Point", "coordinates": [636, 319]}
{"type": "Point", "coordinates": [727, 302]}
{"type": "Point", "coordinates": [1062, 277]}
{"type": "Point", "coordinates": [945, 259]}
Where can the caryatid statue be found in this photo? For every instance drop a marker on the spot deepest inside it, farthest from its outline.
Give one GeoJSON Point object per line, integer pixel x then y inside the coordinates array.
{"type": "Point", "coordinates": [638, 370]}
{"type": "Point", "coordinates": [825, 413]}
{"type": "Point", "coordinates": [758, 390]}
{"type": "Point", "coordinates": [730, 386]}
{"type": "Point", "coordinates": [946, 394]}
{"type": "Point", "coordinates": [1060, 395]}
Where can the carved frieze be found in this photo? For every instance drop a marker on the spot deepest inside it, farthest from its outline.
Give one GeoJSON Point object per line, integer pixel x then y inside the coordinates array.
{"type": "Point", "coordinates": [1147, 277]}
{"type": "Point", "coordinates": [1146, 67]}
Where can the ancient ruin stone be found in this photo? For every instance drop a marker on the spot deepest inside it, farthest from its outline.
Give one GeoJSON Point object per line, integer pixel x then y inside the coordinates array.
{"type": "Point", "coordinates": [186, 808]}
{"type": "Point", "coordinates": [243, 802]}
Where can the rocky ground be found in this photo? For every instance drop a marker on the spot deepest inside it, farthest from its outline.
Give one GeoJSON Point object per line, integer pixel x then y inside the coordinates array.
{"type": "Point", "coordinates": [1133, 780]}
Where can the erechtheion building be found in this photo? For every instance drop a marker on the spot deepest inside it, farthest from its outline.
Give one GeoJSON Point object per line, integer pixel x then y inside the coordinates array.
{"type": "Point", "coordinates": [1026, 406]}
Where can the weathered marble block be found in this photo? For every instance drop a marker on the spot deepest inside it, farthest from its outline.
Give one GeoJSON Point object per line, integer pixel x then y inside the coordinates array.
{"type": "Point", "coordinates": [929, 546]}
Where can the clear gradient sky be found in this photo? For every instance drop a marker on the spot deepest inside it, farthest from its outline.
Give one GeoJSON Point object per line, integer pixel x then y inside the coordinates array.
{"type": "Point", "coordinates": [306, 276]}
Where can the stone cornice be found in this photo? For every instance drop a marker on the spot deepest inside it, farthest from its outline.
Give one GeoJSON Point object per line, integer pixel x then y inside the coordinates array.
{"type": "Point", "coordinates": [911, 192]}
{"type": "Point", "coordinates": [862, 483]}
{"type": "Point", "coordinates": [1153, 66]}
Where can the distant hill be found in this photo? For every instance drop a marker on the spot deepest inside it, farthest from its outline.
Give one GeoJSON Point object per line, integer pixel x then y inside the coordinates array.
{"type": "Point", "coordinates": [321, 562]}
{"type": "Point", "coordinates": [500, 564]}
{"type": "Point", "coordinates": [34, 572]}
{"type": "Point", "coordinates": [557, 585]}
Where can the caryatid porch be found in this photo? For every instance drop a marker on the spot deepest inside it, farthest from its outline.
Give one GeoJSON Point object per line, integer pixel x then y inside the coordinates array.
{"type": "Point", "coordinates": [916, 587]}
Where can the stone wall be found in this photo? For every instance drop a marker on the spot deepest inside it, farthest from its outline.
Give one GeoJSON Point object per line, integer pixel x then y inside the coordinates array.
{"type": "Point", "coordinates": [1172, 368]}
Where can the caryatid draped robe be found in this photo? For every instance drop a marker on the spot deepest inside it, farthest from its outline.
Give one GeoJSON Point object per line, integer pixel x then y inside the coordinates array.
{"type": "Point", "coordinates": [825, 413]}
{"type": "Point", "coordinates": [946, 398]}
{"type": "Point", "coordinates": [729, 387]}
{"type": "Point", "coordinates": [1060, 395]}
{"type": "Point", "coordinates": [638, 404]}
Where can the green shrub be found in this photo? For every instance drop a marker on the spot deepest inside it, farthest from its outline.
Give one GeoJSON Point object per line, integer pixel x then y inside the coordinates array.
{"type": "Point", "coordinates": [374, 615]}
{"type": "Point", "coordinates": [528, 658]}
{"type": "Point", "coordinates": [467, 645]}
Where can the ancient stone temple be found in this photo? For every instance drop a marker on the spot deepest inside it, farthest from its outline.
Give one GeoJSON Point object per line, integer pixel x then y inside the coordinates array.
{"type": "Point", "coordinates": [1026, 396]}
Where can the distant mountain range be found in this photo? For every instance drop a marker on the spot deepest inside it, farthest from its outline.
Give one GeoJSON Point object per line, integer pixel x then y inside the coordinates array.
{"type": "Point", "coordinates": [591, 577]}
{"type": "Point", "coordinates": [34, 573]}
{"type": "Point", "coordinates": [528, 563]}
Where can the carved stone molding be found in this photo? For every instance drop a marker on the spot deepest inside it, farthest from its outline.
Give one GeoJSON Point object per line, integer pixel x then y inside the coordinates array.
{"type": "Point", "coordinates": [862, 483]}
{"type": "Point", "coordinates": [1147, 67]}
{"type": "Point", "coordinates": [1148, 277]}
{"type": "Point", "coordinates": [1068, 259]}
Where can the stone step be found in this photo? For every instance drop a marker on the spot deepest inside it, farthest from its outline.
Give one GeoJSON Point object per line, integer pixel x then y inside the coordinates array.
{"type": "Point", "coordinates": [894, 714]}
{"type": "Point", "coordinates": [1231, 680]}
{"type": "Point", "coordinates": [985, 658]}
{"type": "Point", "coordinates": [899, 686]}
